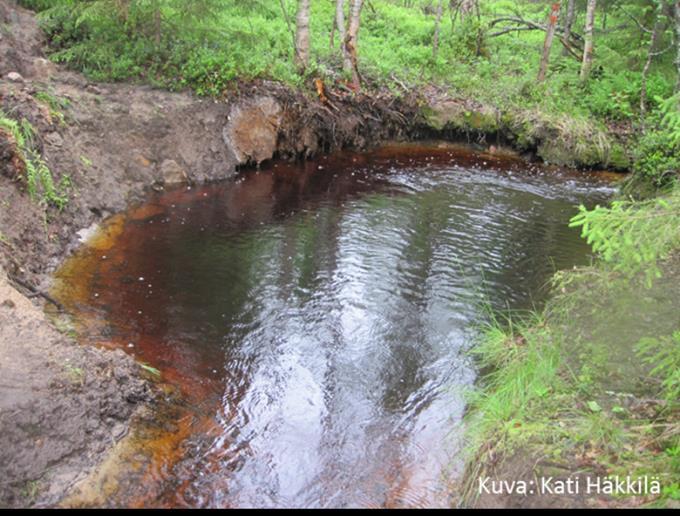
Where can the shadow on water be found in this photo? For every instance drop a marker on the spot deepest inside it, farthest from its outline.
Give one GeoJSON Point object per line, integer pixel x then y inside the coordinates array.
{"type": "Point", "coordinates": [313, 320]}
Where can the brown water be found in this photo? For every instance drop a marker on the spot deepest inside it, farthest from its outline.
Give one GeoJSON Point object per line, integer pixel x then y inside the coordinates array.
{"type": "Point", "coordinates": [315, 319]}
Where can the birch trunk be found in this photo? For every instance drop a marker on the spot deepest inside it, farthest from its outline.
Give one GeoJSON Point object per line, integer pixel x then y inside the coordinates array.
{"type": "Point", "coordinates": [437, 28]}
{"type": "Point", "coordinates": [351, 41]}
{"type": "Point", "coordinates": [588, 46]}
{"type": "Point", "coordinates": [656, 32]}
{"type": "Point", "coordinates": [549, 36]}
{"type": "Point", "coordinates": [302, 35]}
{"type": "Point", "coordinates": [342, 31]}
{"type": "Point", "coordinates": [569, 23]}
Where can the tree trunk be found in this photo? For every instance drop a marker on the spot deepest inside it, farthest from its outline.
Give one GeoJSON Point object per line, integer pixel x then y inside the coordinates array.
{"type": "Point", "coordinates": [677, 42]}
{"type": "Point", "coordinates": [437, 28]}
{"type": "Point", "coordinates": [157, 22]}
{"type": "Point", "coordinates": [466, 8]}
{"type": "Point", "coordinates": [462, 8]}
{"type": "Point", "coordinates": [302, 35]}
{"type": "Point", "coordinates": [588, 46]}
{"type": "Point", "coordinates": [342, 32]}
{"type": "Point", "coordinates": [569, 23]}
{"type": "Point", "coordinates": [351, 40]}
{"type": "Point", "coordinates": [549, 36]}
{"type": "Point", "coordinates": [656, 32]}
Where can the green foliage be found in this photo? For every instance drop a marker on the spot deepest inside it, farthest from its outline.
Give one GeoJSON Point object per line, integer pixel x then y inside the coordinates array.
{"type": "Point", "coordinates": [54, 104]}
{"type": "Point", "coordinates": [149, 369]}
{"type": "Point", "coordinates": [544, 393]}
{"type": "Point", "coordinates": [39, 180]}
{"type": "Point", "coordinates": [522, 364]}
{"type": "Point", "coordinates": [657, 152]}
{"type": "Point", "coordinates": [208, 45]}
{"type": "Point", "coordinates": [633, 236]}
{"type": "Point", "coordinates": [664, 356]}
{"type": "Point", "coordinates": [670, 120]}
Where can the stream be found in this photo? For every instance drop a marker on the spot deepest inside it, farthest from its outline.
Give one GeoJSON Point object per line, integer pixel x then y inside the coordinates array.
{"type": "Point", "coordinates": [314, 320]}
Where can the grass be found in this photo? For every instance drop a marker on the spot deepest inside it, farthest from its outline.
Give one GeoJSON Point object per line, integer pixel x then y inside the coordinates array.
{"type": "Point", "coordinates": [30, 490]}
{"type": "Point", "coordinates": [76, 375]}
{"type": "Point", "coordinates": [149, 369]}
{"type": "Point", "coordinates": [212, 46]}
{"type": "Point", "coordinates": [537, 404]}
{"type": "Point", "coordinates": [552, 388]}
{"type": "Point", "coordinates": [241, 40]}
{"type": "Point", "coordinates": [54, 104]}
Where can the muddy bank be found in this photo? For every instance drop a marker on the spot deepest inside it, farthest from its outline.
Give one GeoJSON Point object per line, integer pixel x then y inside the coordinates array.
{"type": "Point", "coordinates": [553, 139]}
{"type": "Point", "coordinates": [61, 405]}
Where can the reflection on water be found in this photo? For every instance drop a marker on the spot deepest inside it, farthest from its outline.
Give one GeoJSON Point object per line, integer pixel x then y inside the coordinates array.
{"type": "Point", "coordinates": [318, 317]}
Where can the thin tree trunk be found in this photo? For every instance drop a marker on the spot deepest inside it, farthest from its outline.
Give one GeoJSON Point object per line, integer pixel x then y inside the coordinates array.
{"type": "Point", "coordinates": [568, 24]}
{"type": "Point", "coordinates": [466, 8]}
{"type": "Point", "coordinates": [588, 46]}
{"type": "Point", "coordinates": [677, 42]}
{"type": "Point", "coordinates": [351, 41]}
{"type": "Point", "coordinates": [302, 35]}
{"type": "Point", "coordinates": [437, 28]}
{"type": "Point", "coordinates": [656, 32]}
{"type": "Point", "coordinates": [123, 9]}
{"type": "Point", "coordinates": [480, 31]}
{"type": "Point", "coordinates": [547, 44]}
{"type": "Point", "coordinates": [284, 12]}
{"type": "Point", "coordinates": [342, 32]}
{"type": "Point", "coordinates": [157, 23]}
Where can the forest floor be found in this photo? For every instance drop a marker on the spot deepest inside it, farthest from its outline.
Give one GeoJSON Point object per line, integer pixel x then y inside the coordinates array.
{"type": "Point", "coordinates": [62, 406]}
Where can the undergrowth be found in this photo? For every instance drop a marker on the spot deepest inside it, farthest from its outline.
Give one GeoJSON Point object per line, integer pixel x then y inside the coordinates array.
{"type": "Point", "coordinates": [545, 394]}
{"type": "Point", "coordinates": [37, 175]}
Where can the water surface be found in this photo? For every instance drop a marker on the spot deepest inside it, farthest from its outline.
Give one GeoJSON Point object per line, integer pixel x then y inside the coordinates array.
{"type": "Point", "coordinates": [315, 318]}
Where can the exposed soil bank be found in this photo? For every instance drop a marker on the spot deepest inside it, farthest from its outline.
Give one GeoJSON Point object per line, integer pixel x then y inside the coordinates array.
{"type": "Point", "coordinates": [62, 406]}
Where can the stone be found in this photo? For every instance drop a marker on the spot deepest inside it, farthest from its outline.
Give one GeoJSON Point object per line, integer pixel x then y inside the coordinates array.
{"type": "Point", "coordinates": [252, 129]}
{"type": "Point", "coordinates": [42, 68]}
{"type": "Point", "coordinates": [173, 173]}
{"type": "Point", "coordinates": [143, 161]}
{"type": "Point", "coordinates": [15, 77]}
{"type": "Point", "coordinates": [54, 139]}
{"type": "Point", "coordinates": [12, 164]}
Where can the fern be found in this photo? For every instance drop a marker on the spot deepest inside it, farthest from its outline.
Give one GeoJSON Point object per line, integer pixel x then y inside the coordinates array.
{"type": "Point", "coordinates": [670, 109]}
{"type": "Point", "coordinates": [39, 180]}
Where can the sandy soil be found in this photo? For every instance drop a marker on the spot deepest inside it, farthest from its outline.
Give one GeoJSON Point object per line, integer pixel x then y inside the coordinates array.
{"type": "Point", "coordinates": [61, 405]}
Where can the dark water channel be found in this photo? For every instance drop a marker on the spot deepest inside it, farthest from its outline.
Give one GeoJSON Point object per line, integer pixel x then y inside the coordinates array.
{"type": "Point", "coordinates": [315, 319]}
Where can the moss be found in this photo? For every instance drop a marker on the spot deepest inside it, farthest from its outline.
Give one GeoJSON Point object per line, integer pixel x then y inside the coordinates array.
{"type": "Point", "coordinates": [557, 151]}
{"type": "Point", "coordinates": [482, 121]}
{"type": "Point", "coordinates": [559, 140]}
{"type": "Point", "coordinates": [456, 116]}
{"type": "Point", "coordinates": [618, 159]}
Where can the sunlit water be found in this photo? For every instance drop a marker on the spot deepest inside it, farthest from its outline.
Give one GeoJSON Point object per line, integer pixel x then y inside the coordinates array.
{"type": "Point", "coordinates": [319, 315]}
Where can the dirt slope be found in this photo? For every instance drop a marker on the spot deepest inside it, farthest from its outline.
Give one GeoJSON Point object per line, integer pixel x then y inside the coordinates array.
{"type": "Point", "coordinates": [61, 405]}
